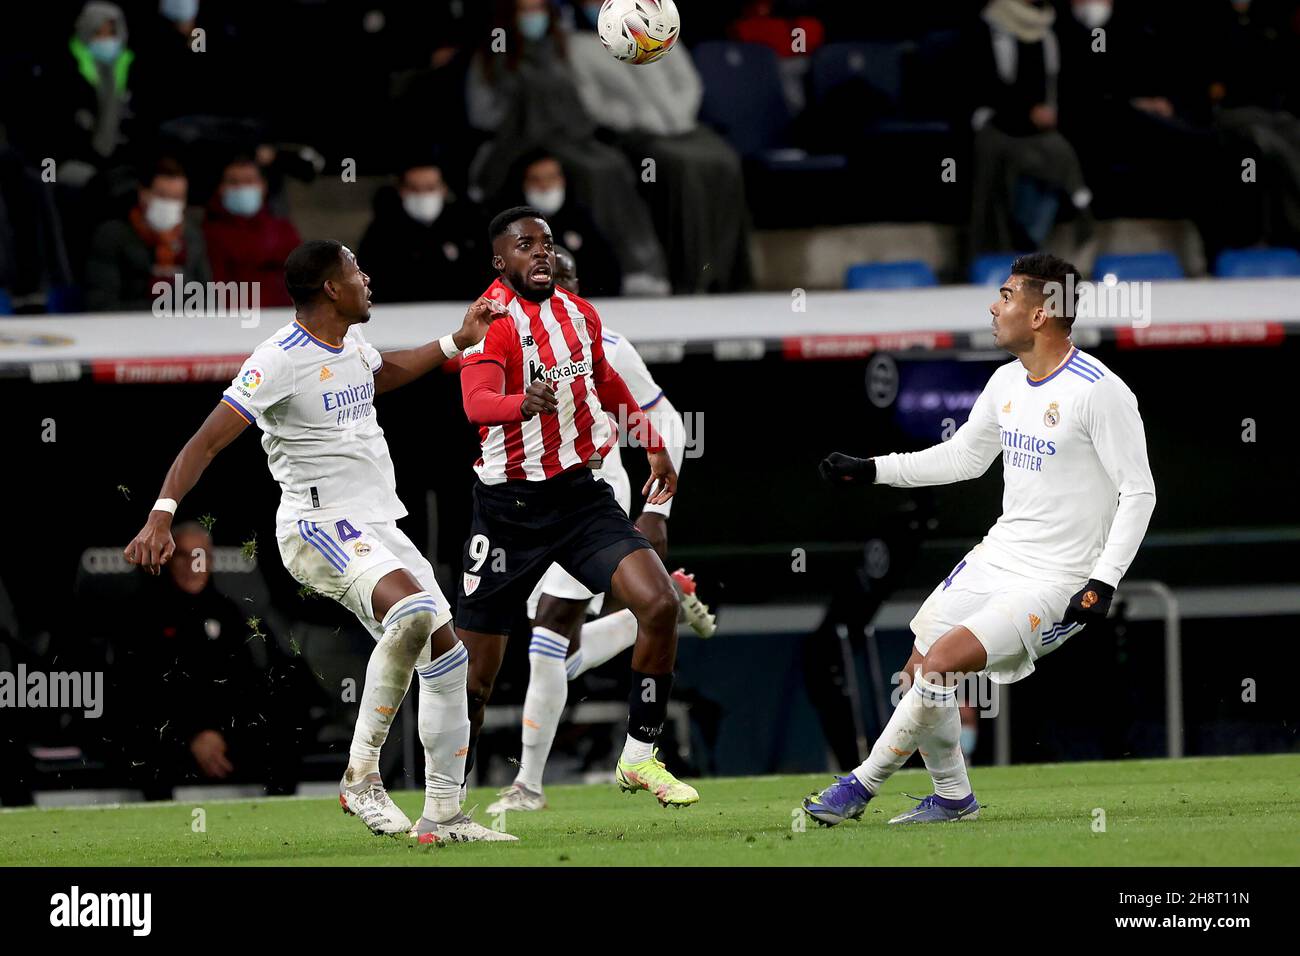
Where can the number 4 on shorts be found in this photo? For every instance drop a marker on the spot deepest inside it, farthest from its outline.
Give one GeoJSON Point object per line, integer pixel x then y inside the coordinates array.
{"type": "Point", "coordinates": [345, 531]}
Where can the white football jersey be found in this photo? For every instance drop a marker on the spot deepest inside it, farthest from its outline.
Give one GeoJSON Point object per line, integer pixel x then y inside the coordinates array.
{"type": "Point", "coordinates": [314, 404]}
{"type": "Point", "coordinates": [649, 396]}
{"type": "Point", "coordinates": [1077, 487]}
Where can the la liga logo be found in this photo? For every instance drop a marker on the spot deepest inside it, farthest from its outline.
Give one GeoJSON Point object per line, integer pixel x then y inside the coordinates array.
{"type": "Point", "coordinates": [251, 379]}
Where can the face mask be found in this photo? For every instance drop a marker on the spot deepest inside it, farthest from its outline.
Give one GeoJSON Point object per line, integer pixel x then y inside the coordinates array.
{"type": "Point", "coordinates": [545, 201]}
{"type": "Point", "coordinates": [1093, 14]}
{"type": "Point", "coordinates": [179, 11]}
{"type": "Point", "coordinates": [163, 215]}
{"type": "Point", "coordinates": [242, 200]}
{"type": "Point", "coordinates": [105, 49]}
{"type": "Point", "coordinates": [534, 24]}
{"type": "Point", "coordinates": [423, 207]}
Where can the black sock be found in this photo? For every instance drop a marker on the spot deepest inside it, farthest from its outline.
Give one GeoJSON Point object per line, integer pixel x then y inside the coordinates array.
{"type": "Point", "coordinates": [647, 705]}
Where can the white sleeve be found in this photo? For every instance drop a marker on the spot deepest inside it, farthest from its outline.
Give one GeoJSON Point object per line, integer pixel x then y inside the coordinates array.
{"type": "Point", "coordinates": [668, 423]}
{"type": "Point", "coordinates": [265, 379]}
{"type": "Point", "coordinates": [1115, 427]}
{"type": "Point", "coordinates": [631, 368]}
{"type": "Point", "coordinates": [966, 455]}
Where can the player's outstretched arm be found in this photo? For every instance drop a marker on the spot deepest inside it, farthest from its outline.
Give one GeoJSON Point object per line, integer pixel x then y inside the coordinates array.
{"type": "Point", "coordinates": [153, 546]}
{"type": "Point", "coordinates": [406, 365]}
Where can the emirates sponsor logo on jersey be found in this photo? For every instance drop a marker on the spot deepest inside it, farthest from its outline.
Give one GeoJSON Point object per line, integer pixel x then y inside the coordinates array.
{"type": "Point", "coordinates": [471, 582]}
{"type": "Point", "coordinates": [563, 372]}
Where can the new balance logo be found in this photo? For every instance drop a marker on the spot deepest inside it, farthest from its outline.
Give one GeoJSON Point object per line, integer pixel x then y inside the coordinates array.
{"type": "Point", "coordinates": [526, 341]}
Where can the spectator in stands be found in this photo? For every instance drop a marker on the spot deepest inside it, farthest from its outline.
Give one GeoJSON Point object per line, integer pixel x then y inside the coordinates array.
{"type": "Point", "coordinates": [423, 243]}
{"type": "Point", "coordinates": [1251, 51]}
{"type": "Point", "coordinates": [246, 241]}
{"type": "Point", "coordinates": [1022, 162]}
{"type": "Point", "coordinates": [193, 701]}
{"type": "Point", "coordinates": [526, 97]}
{"type": "Point", "coordinates": [91, 94]}
{"type": "Point", "coordinates": [153, 243]}
{"type": "Point", "coordinates": [757, 24]}
{"type": "Point", "coordinates": [543, 185]}
{"type": "Point", "coordinates": [1120, 73]}
{"type": "Point", "coordinates": [697, 195]}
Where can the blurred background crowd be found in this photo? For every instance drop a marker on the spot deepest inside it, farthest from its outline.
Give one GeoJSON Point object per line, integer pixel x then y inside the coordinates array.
{"type": "Point", "coordinates": [783, 143]}
{"type": "Point", "coordinates": [400, 127]}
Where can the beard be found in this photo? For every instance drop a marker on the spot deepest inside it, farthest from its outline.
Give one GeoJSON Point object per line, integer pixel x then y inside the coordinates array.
{"type": "Point", "coordinates": [532, 293]}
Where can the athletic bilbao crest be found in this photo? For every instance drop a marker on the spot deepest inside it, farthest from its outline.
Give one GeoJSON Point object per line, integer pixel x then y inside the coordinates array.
{"type": "Point", "coordinates": [471, 583]}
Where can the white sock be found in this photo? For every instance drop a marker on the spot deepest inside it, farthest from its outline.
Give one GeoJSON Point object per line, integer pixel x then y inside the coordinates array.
{"type": "Point", "coordinates": [407, 627]}
{"type": "Point", "coordinates": [634, 751]}
{"type": "Point", "coordinates": [602, 639]}
{"type": "Point", "coordinates": [444, 731]}
{"type": "Point", "coordinates": [921, 709]}
{"type": "Point", "coordinates": [548, 689]}
{"type": "Point", "coordinates": [942, 753]}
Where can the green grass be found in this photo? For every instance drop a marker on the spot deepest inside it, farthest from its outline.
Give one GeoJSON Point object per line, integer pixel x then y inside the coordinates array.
{"type": "Point", "coordinates": [1219, 811]}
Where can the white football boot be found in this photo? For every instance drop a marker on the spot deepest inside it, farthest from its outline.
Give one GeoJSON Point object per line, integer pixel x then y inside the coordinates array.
{"type": "Point", "coordinates": [517, 797]}
{"type": "Point", "coordinates": [369, 801]}
{"type": "Point", "coordinates": [459, 829]}
{"type": "Point", "coordinates": [693, 610]}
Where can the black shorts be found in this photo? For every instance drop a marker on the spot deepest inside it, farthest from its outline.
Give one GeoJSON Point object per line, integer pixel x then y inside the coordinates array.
{"type": "Point", "coordinates": [520, 527]}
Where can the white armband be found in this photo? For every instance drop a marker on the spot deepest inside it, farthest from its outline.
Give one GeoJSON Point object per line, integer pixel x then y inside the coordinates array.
{"type": "Point", "coordinates": [448, 343]}
{"type": "Point", "coordinates": [165, 504]}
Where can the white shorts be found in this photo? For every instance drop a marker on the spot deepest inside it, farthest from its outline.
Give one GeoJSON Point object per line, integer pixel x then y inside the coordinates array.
{"type": "Point", "coordinates": [1016, 618]}
{"type": "Point", "coordinates": [558, 582]}
{"type": "Point", "coordinates": [345, 561]}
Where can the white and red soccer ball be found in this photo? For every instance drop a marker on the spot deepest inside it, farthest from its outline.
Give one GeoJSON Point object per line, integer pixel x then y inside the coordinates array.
{"type": "Point", "coordinates": [638, 31]}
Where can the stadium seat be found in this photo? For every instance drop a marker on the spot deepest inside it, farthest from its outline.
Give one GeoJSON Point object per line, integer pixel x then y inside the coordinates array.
{"type": "Point", "coordinates": [909, 274]}
{"type": "Point", "coordinates": [1257, 263]}
{"type": "Point", "coordinates": [744, 101]}
{"type": "Point", "coordinates": [992, 268]}
{"type": "Point", "coordinates": [878, 65]}
{"type": "Point", "coordinates": [1139, 267]}
{"type": "Point", "coordinates": [6, 303]}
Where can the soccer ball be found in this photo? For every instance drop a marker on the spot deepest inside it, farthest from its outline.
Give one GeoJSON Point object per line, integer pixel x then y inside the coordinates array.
{"type": "Point", "coordinates": [638, 31]}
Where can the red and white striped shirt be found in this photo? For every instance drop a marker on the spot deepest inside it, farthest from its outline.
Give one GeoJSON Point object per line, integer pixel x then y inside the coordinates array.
{"type": "Point", "coordinates": [560, 340]}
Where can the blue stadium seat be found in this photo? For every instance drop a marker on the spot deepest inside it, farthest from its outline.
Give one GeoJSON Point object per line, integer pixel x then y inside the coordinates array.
{"type": "Point", "coordinates": [879, 65]}
{"type": "Point", "coordinates": [992, 268]}
{"type": "Point", "coordinates": [1139, 267]}
{"type": "Point", "coordinates": [1257, 263]}
{"type": "Point", "coordinates": [908, 274]}
{"type": "Point", "coordinates": [6, 303]}
{"type": "Point", "coordinates": [743, 101]}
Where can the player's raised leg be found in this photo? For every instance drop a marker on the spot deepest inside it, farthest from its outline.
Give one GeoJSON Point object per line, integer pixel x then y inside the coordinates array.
{"type": "Point", "coordinates": [926, 717]}
{"type": "Point", "coordinates": [552, 649]}
{"type": "Point", "coordinates": [641, 583]}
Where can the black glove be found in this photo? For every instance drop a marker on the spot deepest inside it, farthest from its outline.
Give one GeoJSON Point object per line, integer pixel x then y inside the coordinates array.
{"type": "Point", "coordinates": [1090, 605]}
{"type": "Point", "coordinates": [837, 467]}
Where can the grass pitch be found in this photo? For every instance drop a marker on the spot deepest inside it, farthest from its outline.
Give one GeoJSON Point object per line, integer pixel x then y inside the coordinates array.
{"type": "Point", "coordinates": [1217, 811]}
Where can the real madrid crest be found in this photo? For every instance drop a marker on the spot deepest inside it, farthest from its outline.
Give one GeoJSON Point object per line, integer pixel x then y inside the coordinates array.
{"type": "Point", "coordinates": [1052, 417]}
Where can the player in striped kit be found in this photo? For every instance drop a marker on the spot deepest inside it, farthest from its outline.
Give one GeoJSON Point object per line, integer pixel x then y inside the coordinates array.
{"type": "Point", "coordinates": [1078, 495]}
{"type": "Point", "coordinates": [310, 389]}
{"type": "Point", "coordinates": [562, 647]}
{"type": "Point", "coordinates": [542, 390]}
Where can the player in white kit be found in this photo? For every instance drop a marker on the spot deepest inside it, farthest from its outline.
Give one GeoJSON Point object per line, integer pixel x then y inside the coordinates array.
{"type": "Point", "coordinates": [1078, 495]}
{"type": "Point", "coordinates": [310, 389]}
{"type": "Point", "coordinates": [562, 648]}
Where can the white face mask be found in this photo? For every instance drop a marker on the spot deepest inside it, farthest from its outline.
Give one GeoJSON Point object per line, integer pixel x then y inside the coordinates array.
{"type": "Point", "coordinates": [423, 207]}
{"type": "Point", "coordinates": [164, 214]}
{"type": "Point", "coordinates": [1093, 14]}
{"type": "Point", "coordinates": [545, 201]}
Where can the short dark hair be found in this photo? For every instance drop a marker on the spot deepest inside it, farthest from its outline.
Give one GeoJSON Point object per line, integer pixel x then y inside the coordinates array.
{"type": "Point", "coordinates": [162, 166]}
{"type": "Point", "coordinates": [508, 217]}
{"type": "Point", "coordinates": [309, 266]}
{"type": "Point", "coordinates": [1042, 268]}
